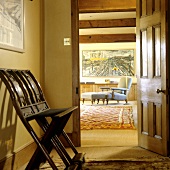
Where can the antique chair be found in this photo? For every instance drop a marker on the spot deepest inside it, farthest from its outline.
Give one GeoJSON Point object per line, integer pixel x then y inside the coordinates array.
{"type": "Point", "coordinates": [30, 104]}
{"type": "Point", "coordinates": [120, 92]}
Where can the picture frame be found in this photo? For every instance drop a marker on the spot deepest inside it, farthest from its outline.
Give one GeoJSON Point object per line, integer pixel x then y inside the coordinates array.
{"type": "Point", "coordinates": [108, 63]}
{"type": "Point", "coordinates": [12, 25]}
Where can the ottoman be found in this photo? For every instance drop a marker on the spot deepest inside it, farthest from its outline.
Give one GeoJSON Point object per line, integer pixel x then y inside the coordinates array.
{"type": "Point", "coordinates": [94, 96]}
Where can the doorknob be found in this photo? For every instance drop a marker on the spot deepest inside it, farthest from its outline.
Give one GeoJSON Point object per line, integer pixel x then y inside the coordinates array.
{"type": "Point", "coordinates": [160, 91]}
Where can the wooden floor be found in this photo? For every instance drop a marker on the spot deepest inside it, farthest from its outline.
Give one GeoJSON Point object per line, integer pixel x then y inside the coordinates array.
{"type": "Point", "coordinates": [111, 137]}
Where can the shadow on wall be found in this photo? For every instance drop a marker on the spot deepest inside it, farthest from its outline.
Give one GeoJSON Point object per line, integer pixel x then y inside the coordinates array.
{"type": "Point", "coordinates": [8, 122]}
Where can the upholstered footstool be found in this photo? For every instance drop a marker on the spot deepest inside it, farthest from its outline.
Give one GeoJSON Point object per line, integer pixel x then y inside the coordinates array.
{"type": "Point", "coordinates": [94, 96]}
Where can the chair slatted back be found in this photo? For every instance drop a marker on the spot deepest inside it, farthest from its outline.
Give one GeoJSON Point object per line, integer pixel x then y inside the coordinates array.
{"type": "Point", "coordinates": [13, 87]}
{"type": "Point", "coordinates": [35, 90]}
{"type": "Point", "coordinates": [26, 94]}
{"type": "Point", "coordinates": [18, 95]}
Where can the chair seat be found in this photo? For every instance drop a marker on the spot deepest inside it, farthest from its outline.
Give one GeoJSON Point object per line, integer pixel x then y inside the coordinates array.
{"type": "Point", "coordinates": [117, 96]}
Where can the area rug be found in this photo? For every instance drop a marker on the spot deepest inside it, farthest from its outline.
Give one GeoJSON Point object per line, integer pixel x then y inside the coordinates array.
{"type": "Point", "coordinates": [118, 165]}
{"type": "Point", "coordinates": [127, 165]}
{"type": "Point", "coordinates": [106, 117]}
{"type": "Point", "coordinates": [116, 158]}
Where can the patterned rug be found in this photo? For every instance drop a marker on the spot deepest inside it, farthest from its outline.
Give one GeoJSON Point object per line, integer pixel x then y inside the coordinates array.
{"type": "Point", "coordinates": [118, 165]}
{"type": "Point", "coordinates": [127, 165]}
{"type": "Point", "coordinates": [115, 158]}
{"type": "Point", "coordinates": [106, 117]}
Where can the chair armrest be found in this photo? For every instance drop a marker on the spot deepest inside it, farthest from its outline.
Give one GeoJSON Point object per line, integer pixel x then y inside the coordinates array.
{"type": "Point", "coordinates": [105, 88]}
{"type": "Point", "coordinates": [119, 88]}
{"type": "Point", "coordinates": [124, 90]}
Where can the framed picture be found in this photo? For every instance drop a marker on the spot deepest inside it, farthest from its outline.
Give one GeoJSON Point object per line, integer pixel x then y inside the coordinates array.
{"type": "Point", "coordinates": [12, 25]}
{"type": "Point", "coordinates": [99, 63]}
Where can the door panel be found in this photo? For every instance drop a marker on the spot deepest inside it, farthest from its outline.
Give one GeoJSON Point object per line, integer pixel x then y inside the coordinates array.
{"type": "Point", "coordinates": [152, 75]}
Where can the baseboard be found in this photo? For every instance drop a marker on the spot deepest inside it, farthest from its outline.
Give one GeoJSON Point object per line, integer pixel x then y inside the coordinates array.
{"type": "Point", "coordinates": [21, 157]}
{"type": "Point", "coordinates": [18, 159]}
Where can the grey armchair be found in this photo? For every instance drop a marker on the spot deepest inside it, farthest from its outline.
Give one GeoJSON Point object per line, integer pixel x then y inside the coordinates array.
{"type": "Point", "coordinates": [120, 92]}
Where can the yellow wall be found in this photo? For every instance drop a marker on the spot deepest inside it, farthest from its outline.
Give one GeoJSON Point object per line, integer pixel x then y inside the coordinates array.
{"type": "Point", "coordinates": [13, 135]}
{"type": "Point", "coordinates": [58, 59]}
{"type": "Point", "coordinates": [58, 65]}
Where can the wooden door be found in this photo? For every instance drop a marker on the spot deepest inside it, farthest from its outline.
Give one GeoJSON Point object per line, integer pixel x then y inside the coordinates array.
{"type": "Point", "coordinates": [152, 75]}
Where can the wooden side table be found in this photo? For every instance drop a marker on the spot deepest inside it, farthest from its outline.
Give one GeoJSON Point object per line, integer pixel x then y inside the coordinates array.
{"type": "Point", "coordinates": [105, 88]}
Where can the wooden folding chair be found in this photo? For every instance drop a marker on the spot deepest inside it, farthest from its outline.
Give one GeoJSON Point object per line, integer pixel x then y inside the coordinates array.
{"type": "Point", "coordinates": [30, 104]}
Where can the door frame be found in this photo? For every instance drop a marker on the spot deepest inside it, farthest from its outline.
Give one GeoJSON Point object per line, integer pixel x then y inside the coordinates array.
{"type": "Point", "coordinates": [76, 138]}
{"type": "Point", "coordinates": [76, 135]}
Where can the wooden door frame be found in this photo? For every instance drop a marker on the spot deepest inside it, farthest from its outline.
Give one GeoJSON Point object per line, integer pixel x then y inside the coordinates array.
{"type": "Point", "coordinates": [76, 135]}
{"type": "Point", "coordinates": [168, 68]}
{"type": "Point", "coordinates": [76, 138]}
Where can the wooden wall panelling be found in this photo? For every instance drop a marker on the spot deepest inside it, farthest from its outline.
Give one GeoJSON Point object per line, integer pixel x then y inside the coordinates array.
{"type": "Point", "coordinates": [86, 88]}
{"type": "Point", "coordinates": [97, 87]}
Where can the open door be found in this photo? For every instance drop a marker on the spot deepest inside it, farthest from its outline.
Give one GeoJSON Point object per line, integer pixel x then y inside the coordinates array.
{"type": "Point", "coordinates": [152, 75]}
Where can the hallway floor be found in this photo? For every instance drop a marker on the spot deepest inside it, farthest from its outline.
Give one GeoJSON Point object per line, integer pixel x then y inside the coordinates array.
{"type": "Point", "coordinates": [111, 137]}
{"type": "Point", "coordinates": [110, 145]}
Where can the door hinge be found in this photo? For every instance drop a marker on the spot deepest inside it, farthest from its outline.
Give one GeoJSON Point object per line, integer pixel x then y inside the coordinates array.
{"type": "Point", "coordinates": [77, 90]}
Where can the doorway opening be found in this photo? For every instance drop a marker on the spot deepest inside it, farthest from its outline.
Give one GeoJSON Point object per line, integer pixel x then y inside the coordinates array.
{"type": "Point", "coordinates": [107, 137]}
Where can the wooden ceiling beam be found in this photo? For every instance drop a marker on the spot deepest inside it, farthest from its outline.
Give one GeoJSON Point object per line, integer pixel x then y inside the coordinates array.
{"type": "Point", "coordinates": [107, 38]}
{"type": "Point", "coordinates": [129, 22]}
{"type": "Point", "coordinates": [86, 6]}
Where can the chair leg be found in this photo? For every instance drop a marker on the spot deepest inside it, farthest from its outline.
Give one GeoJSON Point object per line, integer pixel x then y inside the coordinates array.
{"type": "Point", "coordinates": [69, 142]}
{"type": "Point", "coordinates": [43, 154]}
{"type": "Point", "coordinates": [49, 140]}
{"type": "Point", "coordinates": [107, 101]}
{"type": "Point", "coordinates": [103, 101]}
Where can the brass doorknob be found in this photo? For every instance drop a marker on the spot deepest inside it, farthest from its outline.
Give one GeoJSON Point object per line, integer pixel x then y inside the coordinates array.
{"type": "Point", "coordinates": [160, 91]}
